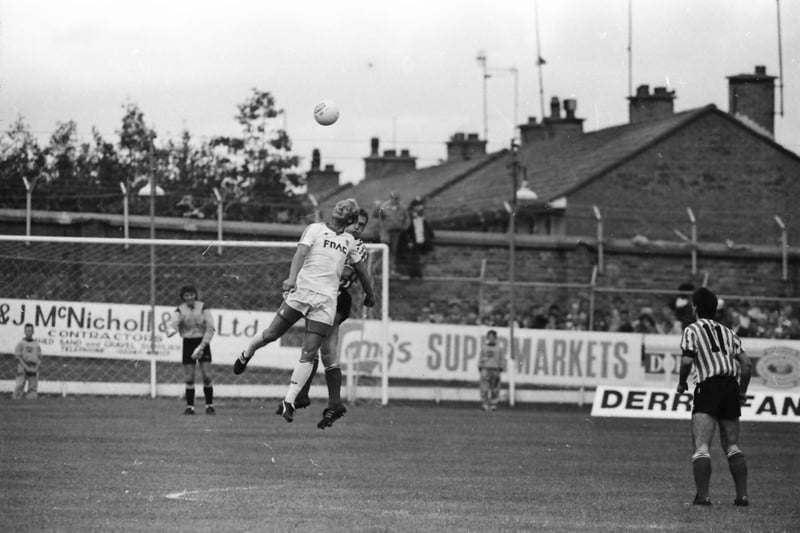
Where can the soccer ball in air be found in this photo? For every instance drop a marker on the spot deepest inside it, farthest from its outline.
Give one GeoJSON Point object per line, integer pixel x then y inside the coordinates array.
{"type": "Point", "coordinates": [326, 112]}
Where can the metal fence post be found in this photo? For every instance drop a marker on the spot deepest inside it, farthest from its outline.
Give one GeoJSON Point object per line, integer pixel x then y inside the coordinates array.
{"type": "Point", "coordinates": [218, 196]}
{"type": "Point", "coordinates": [693, 221]}
{"type": "Point", "coordinates": [125, 214]}
{"type": "Point", "coordinates": [784, 249]}
{"type": "Point", "coordinates": [28, 201]}
{"type": "Point", "coordinates": [599, 217]}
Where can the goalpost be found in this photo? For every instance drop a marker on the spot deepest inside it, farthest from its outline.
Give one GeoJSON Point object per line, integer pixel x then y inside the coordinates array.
{"type": "Point", "coordinates": [99, 306]}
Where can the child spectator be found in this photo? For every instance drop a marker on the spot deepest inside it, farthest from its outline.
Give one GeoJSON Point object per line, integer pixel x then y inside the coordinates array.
{"type": "Point", "coordinates": [29, 355]}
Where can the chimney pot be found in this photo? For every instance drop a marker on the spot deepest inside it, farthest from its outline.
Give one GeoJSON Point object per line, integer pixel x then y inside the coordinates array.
{"type": "Point", "coordinates": [404, 153]}
{"type": "Point", "coordinates": [555, 104]}
{"type": "Point", "coordinates": [761, 70]}
{"type": "Point", "coordinates": [472, 137]}
{"type": "Point", "coordinates": [389, 153]}
{"type": "Point", "coordinates": [374, 146]}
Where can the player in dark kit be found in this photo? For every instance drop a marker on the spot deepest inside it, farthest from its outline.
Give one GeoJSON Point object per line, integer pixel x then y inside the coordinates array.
{"type": "Point", "coordinates": [193, 320]}
{"type": "Point", "coordinates": [328, 351]}
{"type": "Point", "coordinates": [723, 374]}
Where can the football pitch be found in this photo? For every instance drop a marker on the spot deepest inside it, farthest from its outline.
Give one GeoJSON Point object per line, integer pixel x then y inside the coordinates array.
{"type": "Point", "coordinates": [132, 464]}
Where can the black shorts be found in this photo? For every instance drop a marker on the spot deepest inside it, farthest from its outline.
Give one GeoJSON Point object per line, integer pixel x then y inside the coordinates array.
{"type": "Point", "coordinates": [188, 348]}
{"type": "Point", "coordinates": [718, 396]}
{"type": "Point", "coordinates": [344, 303]}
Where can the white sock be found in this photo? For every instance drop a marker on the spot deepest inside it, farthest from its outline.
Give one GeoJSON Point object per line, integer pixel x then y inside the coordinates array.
{"type": "Point", "coordinates": [301, 373]}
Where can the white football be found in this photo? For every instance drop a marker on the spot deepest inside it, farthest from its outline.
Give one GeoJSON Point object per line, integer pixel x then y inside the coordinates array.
{"type": "Point", "coordinates": [326, 112]}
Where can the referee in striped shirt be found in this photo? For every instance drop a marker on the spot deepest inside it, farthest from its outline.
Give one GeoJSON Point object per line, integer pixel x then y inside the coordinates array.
{"type": "Point", "coordinates": [723, 374]}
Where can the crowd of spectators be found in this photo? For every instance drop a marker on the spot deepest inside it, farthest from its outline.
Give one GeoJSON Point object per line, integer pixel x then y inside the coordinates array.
{"type": "Point", "coordinates": [747, 319]}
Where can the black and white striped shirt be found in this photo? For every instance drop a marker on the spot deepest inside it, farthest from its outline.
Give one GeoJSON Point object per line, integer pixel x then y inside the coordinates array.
{"type": "Point", "coordinates": [714, 348]}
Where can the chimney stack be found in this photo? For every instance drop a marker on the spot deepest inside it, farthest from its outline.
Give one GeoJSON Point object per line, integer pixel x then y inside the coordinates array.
{"type": "Point", "coordinates": [556, 127]}
{"type": "Point", "coordinates": [318, 180]}
{"type": "Point", "coordinates": [753, 96]}
{"type": "Point", "coordinates": [555, 108]}
{"type": "Point", "coordinates": [389, 164]}
{"type": "Point", "coordinates": [645, 107]}
{"type": "Point", "coordinates": [463, 147]}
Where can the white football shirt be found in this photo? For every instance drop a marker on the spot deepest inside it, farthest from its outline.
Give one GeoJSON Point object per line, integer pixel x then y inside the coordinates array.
{"type": "Point", "coordinates": [326, 256]}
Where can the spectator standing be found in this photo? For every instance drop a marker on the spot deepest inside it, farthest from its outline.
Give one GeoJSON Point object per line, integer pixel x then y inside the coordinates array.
{"type": "Point", "coordinates": [29, 355]}
{"type": "Point", "coordinates": [645, 323]}
{"type": "Point", "coordinates": [613, 314]}
{"type": "Point", "coordinates": [393, 219]}
{"type": "Point", "coordinates": [435, 315]}
{"type": "Point", "coordinates": [666, 323]}
{"type": "Point", "coordinates": [490, 364]}
{"type": "Point", "coordinates": [625, 325]}
{"type": "Point", "coordinates": [455, 314]}
{"type": "Point", "coordinates": [683, 305]}
{"type": "Point", "coordinates": [415, 241]}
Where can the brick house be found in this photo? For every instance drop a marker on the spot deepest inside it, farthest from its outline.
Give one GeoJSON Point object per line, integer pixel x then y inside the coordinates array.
{"type": "Point", "coordinates": [641, 176]}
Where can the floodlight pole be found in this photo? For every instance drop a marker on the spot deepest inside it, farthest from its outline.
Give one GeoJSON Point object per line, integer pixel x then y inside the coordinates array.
{"type": "Point", "coordinates": [693, 221]}
{"type": "Point", "coordinates": [218, 196]}
{"type": "Point", "coordinates": [125, 214]}
{"type": "Point", "coordinates": [784, 249]}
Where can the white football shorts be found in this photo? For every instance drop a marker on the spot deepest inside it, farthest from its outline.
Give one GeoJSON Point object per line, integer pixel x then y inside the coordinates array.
{"type": "Point", "coordinates": [314, 305]}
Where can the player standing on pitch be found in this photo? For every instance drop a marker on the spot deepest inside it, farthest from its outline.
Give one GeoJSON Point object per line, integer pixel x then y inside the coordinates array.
{"type": "Point", "coordinates": [717, 356]}
{"type": "Point", "coordinates": [328, 351]}
{"type": "Point", "coordinates": [311, 291]}
{"type": "Point", "coordinates": [195, 324]}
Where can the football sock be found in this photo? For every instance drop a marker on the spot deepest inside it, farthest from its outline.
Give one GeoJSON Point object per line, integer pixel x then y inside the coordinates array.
{"type": "Point", "coordinates": [333, 378]}
{"type": "Point", "coordinates": [208, 391]}
{"type": "Point", "coordinates": [189, 394]}
{"type": "Point", "coordinates": [701, 466]}
{"type": "Point", "coordinates": [738, 467]}
{"type": "Point", "coordinates": [300, 375]}
{"type": "Point", "coordinates": [304, 391]}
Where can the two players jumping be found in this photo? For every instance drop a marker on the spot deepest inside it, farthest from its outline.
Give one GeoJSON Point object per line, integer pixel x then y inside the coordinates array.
{"type": "Point", "coordinates": [311, 291]}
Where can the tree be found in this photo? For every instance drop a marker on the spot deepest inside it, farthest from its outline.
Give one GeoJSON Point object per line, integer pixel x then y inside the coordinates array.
{"type": "Point", "coordinates": [258, 165]}
{"type": "Point", "coordinates": [21, 158]}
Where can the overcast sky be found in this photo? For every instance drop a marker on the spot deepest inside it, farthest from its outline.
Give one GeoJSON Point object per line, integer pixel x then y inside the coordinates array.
{"type": "Point", "coordinates": [405, 72]}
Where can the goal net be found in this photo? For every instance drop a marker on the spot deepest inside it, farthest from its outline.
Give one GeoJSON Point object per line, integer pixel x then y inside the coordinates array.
{"type": "Point", "coordinates": [99, 308]}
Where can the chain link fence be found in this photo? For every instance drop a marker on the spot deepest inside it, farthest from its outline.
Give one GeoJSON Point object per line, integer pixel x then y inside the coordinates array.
{"type": "Point", "coordinates": [93, 303]}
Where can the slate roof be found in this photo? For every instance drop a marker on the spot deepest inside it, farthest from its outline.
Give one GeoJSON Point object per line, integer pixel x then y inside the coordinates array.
{"type": "Point", "coordinates": [462, 190]}
{"type": "Point", "coordinates": [423, 182]}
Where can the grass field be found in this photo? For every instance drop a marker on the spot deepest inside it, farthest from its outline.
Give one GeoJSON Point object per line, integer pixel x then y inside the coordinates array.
{"type": "Point", "coordinates": [131, 464]}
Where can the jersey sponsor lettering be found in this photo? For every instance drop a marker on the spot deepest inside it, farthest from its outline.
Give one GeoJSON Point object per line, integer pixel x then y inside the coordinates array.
{"type": "Point", "coordinates": [327, 253]}
{"type": "Point", "coordinates": [335, 245]}
{"type": "Point", "coordinates": [714, 348]}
